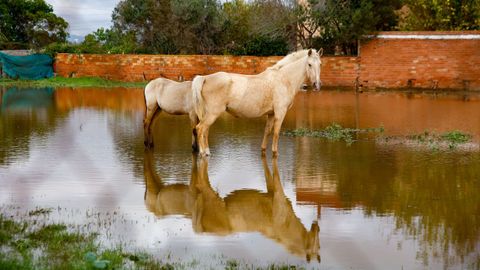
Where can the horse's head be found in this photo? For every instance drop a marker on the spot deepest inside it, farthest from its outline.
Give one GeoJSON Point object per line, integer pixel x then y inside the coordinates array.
{"type": "Point", "coordinates": [314, 64]}
{"type": "Point", "coordinates": [312, 248]}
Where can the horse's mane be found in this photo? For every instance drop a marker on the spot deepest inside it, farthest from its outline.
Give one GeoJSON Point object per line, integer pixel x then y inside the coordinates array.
{"type": "Point", "coordinates": [292, 57]}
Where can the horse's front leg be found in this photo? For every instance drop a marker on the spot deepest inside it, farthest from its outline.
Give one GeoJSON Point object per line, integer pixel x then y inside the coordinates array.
{"type": "Point", "coordinates": [277, 124]}
{"type": "Point", "coordinates": [268, 130]}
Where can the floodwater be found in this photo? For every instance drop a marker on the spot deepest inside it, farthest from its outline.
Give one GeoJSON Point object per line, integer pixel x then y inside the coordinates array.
{"type": "Point", "coordinates": [365, 206]}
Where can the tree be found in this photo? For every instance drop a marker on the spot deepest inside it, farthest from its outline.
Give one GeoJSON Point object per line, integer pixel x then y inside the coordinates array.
{"type": "Point", "coordinates": [150, 21]}
{"type": "Point", "coordinates": [442, 15]}
{"type": "Point", "coordinates": [30, 24]}
{"type": "Point", "coordinates": [337, 25]}
{"type": "Point", "coordinates": [199, 26]}
{"type": "Point", "coordinates": [170, 26]}
{"type": "Point", "coordinates": [262, 27]}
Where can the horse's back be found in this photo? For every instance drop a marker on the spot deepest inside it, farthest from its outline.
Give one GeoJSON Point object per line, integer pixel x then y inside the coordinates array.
{"type": "Point", "coordinates": [172, 97]}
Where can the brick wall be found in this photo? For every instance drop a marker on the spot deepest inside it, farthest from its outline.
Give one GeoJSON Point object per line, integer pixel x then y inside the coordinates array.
{"type": "Point", "coordinates": [338, 71]}
{"type": "Point", "coordinates": [426, 60]}
{"type": "Point", "coordinates": [392, 60]}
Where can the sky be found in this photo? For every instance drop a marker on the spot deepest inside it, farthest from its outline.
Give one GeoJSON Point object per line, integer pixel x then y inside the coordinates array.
{"type": "Point", "coordinates": [84, 16]}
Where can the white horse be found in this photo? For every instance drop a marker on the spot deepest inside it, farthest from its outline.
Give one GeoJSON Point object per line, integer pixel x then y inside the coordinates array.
{"type": "Point", "coordinates": [176, 98]}
{"type": "Point", "coordinates": [171, 97]}
{"type": "Point", "coordinates": [269, 93]}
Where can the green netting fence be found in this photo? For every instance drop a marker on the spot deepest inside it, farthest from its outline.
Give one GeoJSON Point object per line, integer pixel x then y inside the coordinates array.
{"type": "Point", "coordinates": [31, 67]}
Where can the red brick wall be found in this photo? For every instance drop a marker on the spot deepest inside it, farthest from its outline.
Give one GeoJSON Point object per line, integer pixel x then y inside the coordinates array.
{"type": "Point", "coordinates": [422, 63]}
{"type": "Point", "coordinates": [338, 71]}
{"type": "Point", "coordinates": [383, 62]}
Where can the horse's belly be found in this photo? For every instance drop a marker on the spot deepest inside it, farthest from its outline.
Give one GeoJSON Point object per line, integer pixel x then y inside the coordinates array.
{"type": "Point", "coordinates": [248, 111]}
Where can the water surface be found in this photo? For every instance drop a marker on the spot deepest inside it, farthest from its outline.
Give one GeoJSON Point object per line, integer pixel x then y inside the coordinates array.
{"type": "Point", "coordinates": [364, 206]}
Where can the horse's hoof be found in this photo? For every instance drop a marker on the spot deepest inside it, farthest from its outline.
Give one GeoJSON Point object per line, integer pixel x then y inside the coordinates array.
{"type": "Point", "coordinates": [204, 154]}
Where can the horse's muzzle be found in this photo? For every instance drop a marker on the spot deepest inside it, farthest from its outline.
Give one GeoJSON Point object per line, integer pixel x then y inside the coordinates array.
{"type": "Point", "coordinates": [317, 85]}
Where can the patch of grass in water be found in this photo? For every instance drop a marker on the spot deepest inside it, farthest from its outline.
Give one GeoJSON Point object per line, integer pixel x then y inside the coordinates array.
{"type": "Point", "coordinates": [69, 82]}
{"type": "Point", "coordinates": [40, 211]}
{"type": "Point", "coordinates": [448, 140]}
{"type": "Point", "coordinates": [333, 132]}
{"type": "Point", "coordinates": [456, 137]}
{"type": "Point", "coordinates": [28, 246]}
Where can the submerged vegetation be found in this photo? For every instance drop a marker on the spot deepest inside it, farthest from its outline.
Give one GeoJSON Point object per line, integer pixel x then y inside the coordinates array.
{"type": "Point", "coordinates": [27, 241]}
{"type": "Point", "coordinates": [28, 245]}
{"type": "Point", "coordinates": [335, 132]}
{"type": "Point", "coordinates": [448, 140]}
{"type": "Point", "coordinates": [69, 82]}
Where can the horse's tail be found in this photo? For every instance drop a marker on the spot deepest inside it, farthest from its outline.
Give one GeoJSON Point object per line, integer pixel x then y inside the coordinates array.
{"type": "Point", "coordinates": [198, 102]}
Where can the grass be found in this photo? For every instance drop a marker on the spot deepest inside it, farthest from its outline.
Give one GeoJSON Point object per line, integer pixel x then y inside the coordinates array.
{"type": "Point", "coordinates": [27, 243]}
{"type": "Point", "coordinates": [54, 246]}
{"type": "Point", "coordinates": [69, 82]}
{"type": "Point", "coordinates": [448, 140]}
{"type": "Point", "coordinates": [451, 138]}
{"type": "Point", "coordinates": [333, 132]}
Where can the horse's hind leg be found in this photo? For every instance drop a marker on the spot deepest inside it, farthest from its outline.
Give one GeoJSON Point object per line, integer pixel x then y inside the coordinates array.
{"type": "Point", "coordinates": [268, 130]}
{"type": "Point", "coordinates": [151, 111]}
{"type": "Point", "coordinates": [202, 132]}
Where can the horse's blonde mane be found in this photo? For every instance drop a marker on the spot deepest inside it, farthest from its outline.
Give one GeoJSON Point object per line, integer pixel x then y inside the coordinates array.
{"type": "Point", "coordinates": [292, 57]}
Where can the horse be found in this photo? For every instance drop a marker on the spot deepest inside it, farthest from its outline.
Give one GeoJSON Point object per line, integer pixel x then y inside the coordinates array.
{"type": "Point", "coordinates": [176, 98]}
{"type": "Point", "coordinates": [270, 213]}
{"type": "Point", "coordinates": [268, 93]}
{"type": "Point", "coordinates": [171, 97]}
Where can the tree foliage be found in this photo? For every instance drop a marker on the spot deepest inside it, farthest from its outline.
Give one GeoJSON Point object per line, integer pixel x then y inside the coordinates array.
{"type": "Point", "coordinates": [442, 15]}
{"type": "Point", "coordinates": [207, 26]}
{"type": "Point", "coordinates": [337, 25]}
{"type": "Point", "coordinates": [29, 24]}
{"type": "Point", "coordinates": [263, 27]}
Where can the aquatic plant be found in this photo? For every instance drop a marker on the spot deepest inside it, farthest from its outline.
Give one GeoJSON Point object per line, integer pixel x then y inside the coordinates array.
{"type": "Point", "coordinates": [26, 245]}
{"type": "Point", "coordinates": [448, 140]}
{"type": "Point", "coordinates": [333, 132]}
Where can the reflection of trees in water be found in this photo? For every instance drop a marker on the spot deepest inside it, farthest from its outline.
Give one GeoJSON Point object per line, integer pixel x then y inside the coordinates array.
{"type": "Point", "coordinates": [24, 112]}
{"type": "Point", "coordinates": [433, 196]}
{"type": "Point", "coordinates": [439, 203]}
{"type": "Point", "coordinates": [127, 135]}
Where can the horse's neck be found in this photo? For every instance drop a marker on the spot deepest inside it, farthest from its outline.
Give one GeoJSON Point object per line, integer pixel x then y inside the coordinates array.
{"type": "Point", "coordinates": [289, 58]}
{"type": "Point", "coordinates": [295, 73]}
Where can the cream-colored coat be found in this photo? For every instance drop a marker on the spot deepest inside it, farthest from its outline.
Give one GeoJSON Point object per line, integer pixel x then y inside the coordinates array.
{"type": "Point", "coordinates": [171, 97]}
{"type": "Point", "coordinates": [269, 93]}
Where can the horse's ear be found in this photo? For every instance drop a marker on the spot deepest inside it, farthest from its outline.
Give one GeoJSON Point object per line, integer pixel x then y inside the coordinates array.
{"type": "Point", "coordinates": [309, 52]}
{"type": "Point", "coordinates": [320, 52]}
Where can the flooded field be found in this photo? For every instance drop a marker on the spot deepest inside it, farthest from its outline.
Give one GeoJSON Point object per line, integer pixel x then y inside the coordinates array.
{"type": "Point", "coordinates": [321, 204]}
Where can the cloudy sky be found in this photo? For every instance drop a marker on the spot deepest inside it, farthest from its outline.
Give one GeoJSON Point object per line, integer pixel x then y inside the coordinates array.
{"type": "Point", "coordinates": [84, 16]}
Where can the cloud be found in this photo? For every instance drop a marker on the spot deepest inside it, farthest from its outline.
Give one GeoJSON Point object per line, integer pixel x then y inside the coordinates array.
{"type": "Point", "coordinates": [84, 16]}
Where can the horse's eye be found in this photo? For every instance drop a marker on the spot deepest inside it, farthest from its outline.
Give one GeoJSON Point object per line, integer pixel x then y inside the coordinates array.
{"type": "Point", "coordinates": [310, 65]}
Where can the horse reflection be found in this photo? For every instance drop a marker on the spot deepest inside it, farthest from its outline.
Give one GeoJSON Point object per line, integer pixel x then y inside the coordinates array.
{"type": "Point", "coordinates": [270, 213]}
